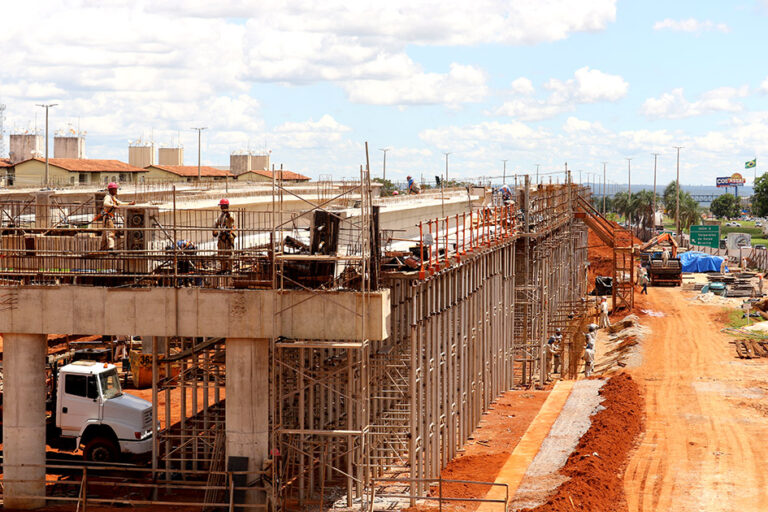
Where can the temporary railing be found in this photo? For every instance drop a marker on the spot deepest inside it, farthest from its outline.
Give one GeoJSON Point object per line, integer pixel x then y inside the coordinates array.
{"type": "Point", "coordinates": [444, 241]}
{"type": "Point", "coordinates": [440, 498]}
{"type": "Point", "coordinates": [124, 485]}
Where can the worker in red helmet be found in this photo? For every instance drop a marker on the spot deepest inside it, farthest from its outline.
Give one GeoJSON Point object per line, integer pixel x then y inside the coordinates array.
{"type": "Point", "coordinates": [224, 232]}
{"type": "Point", "coordinates": [107, 215]}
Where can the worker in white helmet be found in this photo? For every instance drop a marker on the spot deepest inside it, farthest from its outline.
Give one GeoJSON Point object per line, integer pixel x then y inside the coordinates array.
{"type": "Point", "coordinates": [604, 321]}
{"type": "Point", "coordinates": [224, 232]}
{"type": "Point", "coordinates": [589, 351]}
{"type": "Point", "coordinates": [107, 216]}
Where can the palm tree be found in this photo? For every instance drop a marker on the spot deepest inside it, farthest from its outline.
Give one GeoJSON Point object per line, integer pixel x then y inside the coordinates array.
{"type": "Point", "coordinates": [690, 212]}
{"type": "Point", "coordinates": [643, 210]}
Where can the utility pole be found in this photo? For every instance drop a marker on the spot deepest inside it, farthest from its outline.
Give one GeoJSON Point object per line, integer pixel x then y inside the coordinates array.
{"type": "Point", "coordinates": [604, 187]}
{"type": "Point", "coordinates": [384, 169]}
{"type": "Point", "coordinates": [446, 166]}
{"type": "Point", "coordinates": [677, 201]}
{"type": "Point", "coordinates": [655, 156]}
{"type": "Point", "coordinates": [504, 175]}
{"type": "Point", "coordinates": [199, 132]}
{"type": "Point", "coordinates": [537, 174]}
{"type": "Point", "coordinates": [46, 107]}
{"type": "Point", "coordinates": [629, 191]}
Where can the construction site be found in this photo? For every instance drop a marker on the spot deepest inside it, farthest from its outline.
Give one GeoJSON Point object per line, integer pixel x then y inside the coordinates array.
{"type": "Point", "coordinates": [357, 352]}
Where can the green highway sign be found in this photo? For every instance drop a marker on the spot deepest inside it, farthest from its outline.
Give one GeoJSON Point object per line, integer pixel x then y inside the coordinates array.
{"type": "Point", "coordinates": [708, 236]}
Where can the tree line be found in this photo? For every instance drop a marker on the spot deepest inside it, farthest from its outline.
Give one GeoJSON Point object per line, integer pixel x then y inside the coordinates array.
{"type": "Point", "coordinates": [639, 206]}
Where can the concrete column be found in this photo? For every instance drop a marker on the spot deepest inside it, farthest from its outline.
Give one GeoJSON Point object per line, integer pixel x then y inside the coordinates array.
{"type": "Point", "coordinates": [247, 405]}
{"type": "Point", "coordinates": [24, 420]}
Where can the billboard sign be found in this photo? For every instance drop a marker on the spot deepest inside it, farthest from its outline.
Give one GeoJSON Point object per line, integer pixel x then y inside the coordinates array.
{"type": "Point", "coordinates": [734, 180]}
{"type": "Point", "coordinates": [707, 236]}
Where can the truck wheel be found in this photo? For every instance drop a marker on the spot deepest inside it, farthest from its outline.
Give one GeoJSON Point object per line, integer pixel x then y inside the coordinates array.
{"type": "Point", "coordinates": [100, 449]}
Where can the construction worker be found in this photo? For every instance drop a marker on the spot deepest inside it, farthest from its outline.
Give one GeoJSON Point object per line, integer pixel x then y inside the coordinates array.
{"type": "Point", "coordinates": [413, 187]}
{"type": "Point", "coordinates": [604, 322]}
{"type": "Point", "coordinates": [644, 281]}
{"type": "Point", "coordinates": [554, 346]}
{"type": "Point", "coordinates": [722, 266]}
{"type": "Point", "coordinates": [224, 231]}
{"type": "Point", "coordinates": [665, 256]}
{"type": "Point", "coordinates": [506, 193]}
{"type": "Point", "coordinates": [760, 284]}
{"type": "Point", "coordinates": [107, 215]}
{"type": "Point", "coordinates": [589, 351]}
{"type": "Point", "coordinates": [743, 264]}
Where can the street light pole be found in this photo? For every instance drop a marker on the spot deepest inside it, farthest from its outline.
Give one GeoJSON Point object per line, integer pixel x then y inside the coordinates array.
{"type": "Point", "coordinates": [199, 132]}
{"type": "Point", "coordinates": [629, 191]}
{"type": "Point", "coordinates": [677, 201]}
{"type": "Point", "coordinates": [537, 174]}
{"type": "Point", "coordinates": [504, 175]}
{"type": "Point", "coordinates": [446, 166]}
{"type": "Point", "coordinates": [604, 187]}
{"type": "Point", "coordinates": [384, 169]}
{"type": "Point", "coordinates": [655, 156]}
{"type": "Point", "coordinates": [46, 107]}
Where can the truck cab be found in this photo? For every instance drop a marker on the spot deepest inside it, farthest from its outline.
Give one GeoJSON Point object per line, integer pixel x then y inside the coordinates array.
{"type": "Point", "coordinates": [92, 411]}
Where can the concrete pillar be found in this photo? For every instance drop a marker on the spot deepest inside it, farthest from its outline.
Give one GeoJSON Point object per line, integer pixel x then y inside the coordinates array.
{"type": "Point", "coordinates": [24, 420]}
{"type": "Point", "coordinates": [247, 405]}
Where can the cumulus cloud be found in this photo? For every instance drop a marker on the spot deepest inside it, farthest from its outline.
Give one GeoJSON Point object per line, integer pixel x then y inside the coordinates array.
{"type": "Point", "coordinates": [691, 25]}
{"type": "Point", "coordinates": [586, 86]}
{"type": "Point", "coordinates": [674, 105]}
{"type": "Point", "coordinates": [462, 84]}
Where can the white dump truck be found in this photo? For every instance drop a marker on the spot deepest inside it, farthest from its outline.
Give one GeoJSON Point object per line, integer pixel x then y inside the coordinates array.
{"type": "Point", "coordinates": [88, 409]}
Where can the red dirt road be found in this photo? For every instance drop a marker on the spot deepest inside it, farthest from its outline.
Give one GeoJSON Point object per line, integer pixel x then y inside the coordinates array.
{"type": "Point", "coordinates": [704, 448]}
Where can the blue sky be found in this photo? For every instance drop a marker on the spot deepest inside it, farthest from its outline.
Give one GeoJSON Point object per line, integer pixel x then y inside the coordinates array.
{"type": "Point", "coordinates": [532, 82]}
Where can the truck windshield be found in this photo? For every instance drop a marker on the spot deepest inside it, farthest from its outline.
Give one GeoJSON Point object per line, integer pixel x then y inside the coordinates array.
{"type": "Point", "coordinates": [110, 384]}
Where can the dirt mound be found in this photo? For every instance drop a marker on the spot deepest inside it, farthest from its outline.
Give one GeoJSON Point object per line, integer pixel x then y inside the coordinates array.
{"type": "Point", "coordinates": [595, 469]}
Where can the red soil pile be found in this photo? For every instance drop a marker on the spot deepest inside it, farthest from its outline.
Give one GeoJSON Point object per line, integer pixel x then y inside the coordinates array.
{"type": "Point", "coordinates": [596, 468]}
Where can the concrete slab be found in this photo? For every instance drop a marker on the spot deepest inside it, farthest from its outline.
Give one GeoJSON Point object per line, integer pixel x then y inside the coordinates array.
{"type": "Point", "coordinates": [197, 312]}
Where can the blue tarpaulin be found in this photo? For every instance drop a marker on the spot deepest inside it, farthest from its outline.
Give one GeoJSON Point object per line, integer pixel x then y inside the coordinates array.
{"type": "Point", "coordinates": [700, 262]}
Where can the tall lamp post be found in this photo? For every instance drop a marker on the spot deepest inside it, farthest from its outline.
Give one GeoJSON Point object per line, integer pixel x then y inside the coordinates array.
{"type": "Point", "coordinates": [199, 136]}
{"type": "Point", "coordinates": [629, 191]}
{"type": "Point", "coordinates": [446, 166]}
{"type": "Point", "coordinates": [504, 173]}
{"type": "Point", "coordinates": [604, 163]}
{"type": "Point", "coordinates": [46, 107]}
{"type": "Point", "coordinates": [677, 201]}
{"type": "Point", "coordinates": [384, 167]}
{"type": "Point", "coordinates": [655, 157]}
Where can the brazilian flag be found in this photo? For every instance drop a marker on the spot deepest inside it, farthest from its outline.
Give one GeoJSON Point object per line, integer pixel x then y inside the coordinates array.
{"type": "Point", "coordinates": [750, 164]}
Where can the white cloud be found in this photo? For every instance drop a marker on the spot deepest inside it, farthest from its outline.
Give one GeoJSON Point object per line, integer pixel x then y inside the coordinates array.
{"type": "Point", "coordinates": [586, 86]}
{"type": "Point", "coordinates": [462, 84]}
{"type": "Point", "coordinates": [309, 134]}
{"type": "Point", "coordinates": [575, 125]}
{"type": "Point", "coordinates": [674, 105]}
{"type": "Point", "coordinates": [522, 86]}
{"type": "Point", "coordinates": [691, 25]}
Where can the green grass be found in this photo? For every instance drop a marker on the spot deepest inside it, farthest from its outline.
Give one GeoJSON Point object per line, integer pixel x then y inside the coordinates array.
{"type": "Point", "coordinates": [736, 318]}
{"type": "Point", "coordinates": [746, 227]}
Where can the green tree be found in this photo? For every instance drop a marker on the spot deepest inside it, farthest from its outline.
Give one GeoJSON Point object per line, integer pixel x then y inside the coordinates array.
{"type": "Point", "coordinates": [690, 211]}
{"type": "Point", "coordinates": [726, 205]}
{"type": "Point", "coordinates": [669, 198]}
{"type": "Point", "coordinates": [760, 197]}
{"type": "Point", "coordinates": [643, 208]}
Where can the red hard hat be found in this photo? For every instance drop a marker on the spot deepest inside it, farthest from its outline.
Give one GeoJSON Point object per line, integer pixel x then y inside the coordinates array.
{"type": "Point", "coordinates": [224, 202]}
{"type": "Point", "coordinates": [112, 184]}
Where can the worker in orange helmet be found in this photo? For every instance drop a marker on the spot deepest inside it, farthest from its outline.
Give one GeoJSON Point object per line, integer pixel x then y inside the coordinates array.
{"type": "Point", "coordinates": [107, 215]}
{"type": "Point", "coordinates": [224, 231]}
